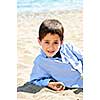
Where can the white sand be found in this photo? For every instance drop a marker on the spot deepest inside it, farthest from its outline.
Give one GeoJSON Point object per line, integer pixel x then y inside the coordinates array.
{"type": "Point", "coordinates": [28, 47]}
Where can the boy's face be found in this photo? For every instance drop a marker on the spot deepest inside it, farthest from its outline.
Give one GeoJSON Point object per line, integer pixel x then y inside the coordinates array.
{"type": "Point", "coordinates": [50, 44]}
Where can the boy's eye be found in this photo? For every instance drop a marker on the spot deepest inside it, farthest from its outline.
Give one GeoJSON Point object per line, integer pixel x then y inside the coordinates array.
{"type": "Point", "coordinates": [55, 42]}
{"type": "Point", "coordinates": [47, 42]}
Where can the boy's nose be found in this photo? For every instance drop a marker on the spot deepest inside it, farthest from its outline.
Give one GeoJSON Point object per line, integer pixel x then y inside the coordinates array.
{"type": "Point", "coordinates": [51, 47]}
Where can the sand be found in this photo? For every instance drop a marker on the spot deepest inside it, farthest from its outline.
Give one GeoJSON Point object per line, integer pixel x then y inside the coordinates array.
{"type": "Point", "coordinates": [28, 47]}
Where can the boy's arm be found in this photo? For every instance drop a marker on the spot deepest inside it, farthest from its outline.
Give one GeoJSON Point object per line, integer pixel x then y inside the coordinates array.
{"type": "Point", "coordinates": [79, 56]}
{"type": "Point", "coordinates": [39, 76]}
{"type": "Point", "coordinates": [76, 52]}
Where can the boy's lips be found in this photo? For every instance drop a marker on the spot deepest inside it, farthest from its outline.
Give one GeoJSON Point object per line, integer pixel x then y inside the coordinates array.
{"type": "Point", "coordinates": [51, 51]}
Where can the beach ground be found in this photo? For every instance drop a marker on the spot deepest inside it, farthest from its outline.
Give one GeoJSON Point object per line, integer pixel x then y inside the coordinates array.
{"type": "Point", "coordinates": [27, 48]}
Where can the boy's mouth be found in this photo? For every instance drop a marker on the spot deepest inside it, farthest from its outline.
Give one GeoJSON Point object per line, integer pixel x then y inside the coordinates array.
{"type": "Point", "coordinates": [50, 52]}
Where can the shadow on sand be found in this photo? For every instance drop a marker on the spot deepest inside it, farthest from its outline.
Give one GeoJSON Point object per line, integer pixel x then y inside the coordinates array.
{"type": "Point", "coordinates": [31, 88]}
{"type": "Point", "coordinates": [28, 87]}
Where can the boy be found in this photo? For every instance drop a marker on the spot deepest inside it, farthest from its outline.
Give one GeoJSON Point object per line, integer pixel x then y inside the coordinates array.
{"type": "Point", "coordinates": [58, 65]}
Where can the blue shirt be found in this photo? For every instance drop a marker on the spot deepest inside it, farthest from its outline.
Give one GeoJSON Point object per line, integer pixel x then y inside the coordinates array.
{"type": "Point", "coordinates": [67, 68]}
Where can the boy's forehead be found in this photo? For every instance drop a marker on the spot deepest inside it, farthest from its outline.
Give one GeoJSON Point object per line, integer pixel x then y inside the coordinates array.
{"type": "Point", "coordinates": [52, 36]}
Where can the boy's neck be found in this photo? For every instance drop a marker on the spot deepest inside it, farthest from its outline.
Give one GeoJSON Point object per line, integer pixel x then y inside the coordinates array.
{"type": "Point", "coordinates": [57, 55]}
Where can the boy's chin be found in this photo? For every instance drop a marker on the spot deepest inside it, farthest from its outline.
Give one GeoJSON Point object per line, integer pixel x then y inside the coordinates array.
{"type": "Point", "coordinates": [49, 56]}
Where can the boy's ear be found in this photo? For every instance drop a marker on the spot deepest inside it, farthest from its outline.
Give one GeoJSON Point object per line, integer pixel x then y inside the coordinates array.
{"type": "Point", "coordinates": [61, 42]}
{"type": "Point", "coordinates": [39, 41]}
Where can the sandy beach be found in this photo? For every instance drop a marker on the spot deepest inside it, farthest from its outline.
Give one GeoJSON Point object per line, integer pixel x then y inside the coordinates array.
{"type": "Point", "coordinates": [27, 48]}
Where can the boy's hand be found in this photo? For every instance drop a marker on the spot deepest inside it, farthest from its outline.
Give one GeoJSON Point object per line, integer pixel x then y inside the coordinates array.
{"type": "Point", "coordinates": [58, 86]}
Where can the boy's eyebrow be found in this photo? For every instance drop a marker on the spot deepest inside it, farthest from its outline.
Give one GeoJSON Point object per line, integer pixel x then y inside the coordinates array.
{"type": "Point", "coordinates": [49, 40]}
{"type": "Point", "coordinates": [46, 40]}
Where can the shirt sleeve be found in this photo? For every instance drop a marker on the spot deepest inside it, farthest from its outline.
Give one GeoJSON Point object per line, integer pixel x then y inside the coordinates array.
{"type": "Point", "coordinates": [39, 76]}
{"type": "Point", "coordinates": [76, 52]}
{"type": "Point", "coordinates": [79, 56]}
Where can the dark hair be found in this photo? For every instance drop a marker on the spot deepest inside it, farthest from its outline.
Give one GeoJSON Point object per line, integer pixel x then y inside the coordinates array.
{"type": "Point", "coordinates": [51, 26]}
